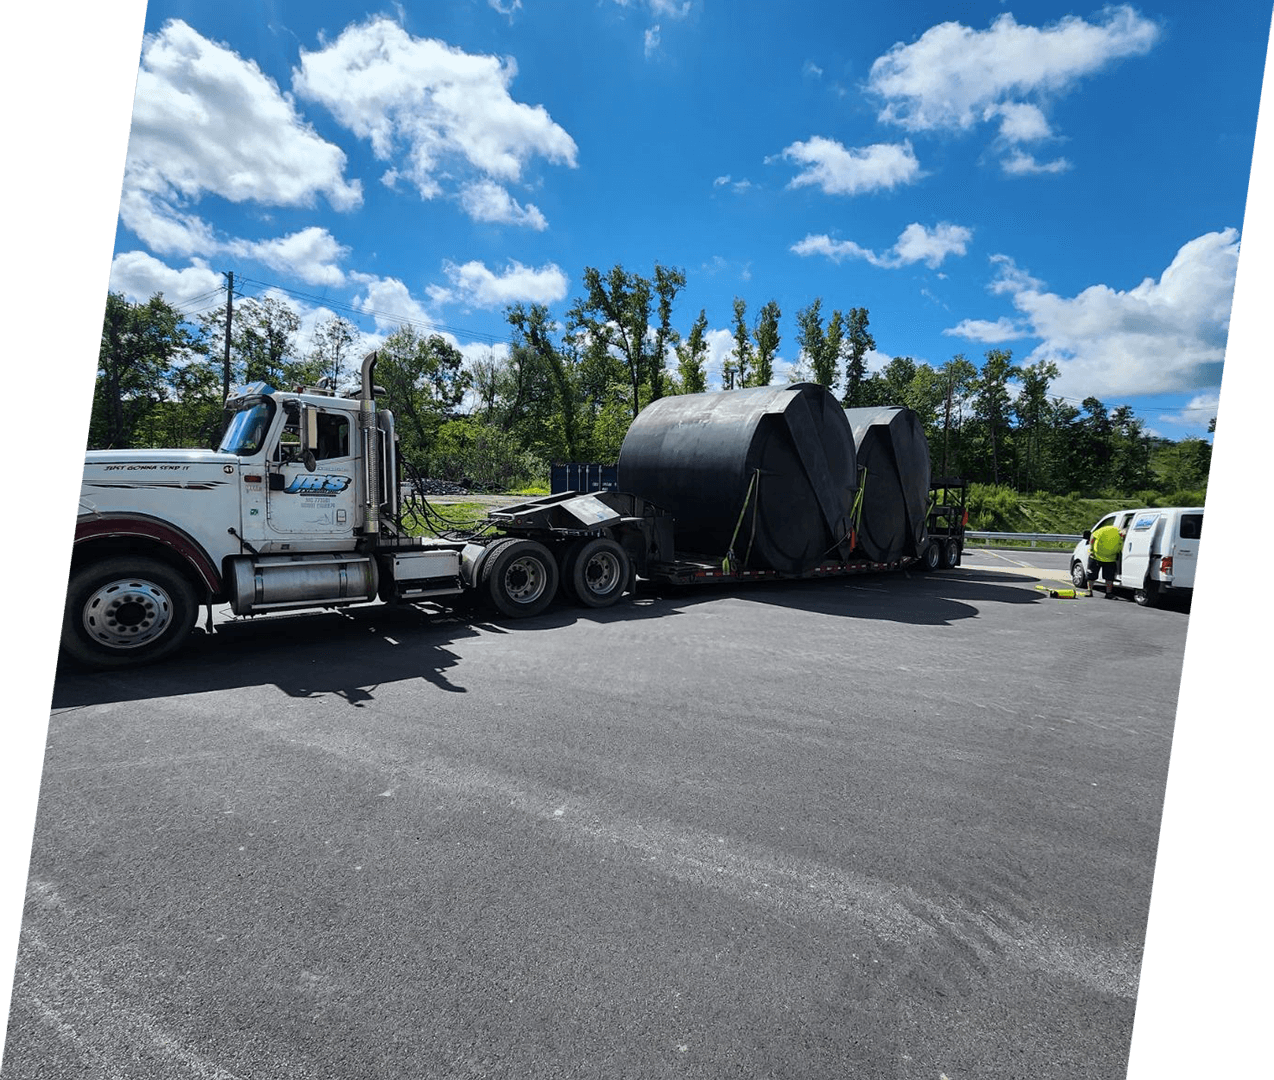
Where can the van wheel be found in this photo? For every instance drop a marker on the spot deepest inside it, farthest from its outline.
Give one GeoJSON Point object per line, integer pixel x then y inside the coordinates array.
{"type": "Point", "coordinates": [1148, 595]}
{"type": "Point", "coordinates": [126, 611]}
{"type": "Point", "coordinates": [1079, 575]}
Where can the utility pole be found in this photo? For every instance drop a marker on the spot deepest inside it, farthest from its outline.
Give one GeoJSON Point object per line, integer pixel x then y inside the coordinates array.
{"type": "Point", "coordinates": [225, 372]}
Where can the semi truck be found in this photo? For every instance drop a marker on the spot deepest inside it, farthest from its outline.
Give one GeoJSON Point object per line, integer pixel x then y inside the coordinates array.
{"type": "Point", "coordinates": [302, 505]}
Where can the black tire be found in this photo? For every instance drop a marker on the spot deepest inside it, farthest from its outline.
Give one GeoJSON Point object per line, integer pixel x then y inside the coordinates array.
{"type": "Point", "coordinates": [950, 555]}
{"type": "Point", "coordinates": [1147, 595]}
{"type": "Point", "coordinates": [566, 566]}
{"type": "Point", "coordinates": [519, 577]}
{"type": "Point", "coordinates": [127, 611]}
{"type": "Point", "coordinates": [599, 573]}
{"type": "Point", "coordinates": [931, 557]}
{"type": "Point", "coordinates": [1079, 575]}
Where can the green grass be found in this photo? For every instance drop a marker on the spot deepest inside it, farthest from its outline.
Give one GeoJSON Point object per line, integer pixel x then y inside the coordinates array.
{"type": "Point", "coordinates": [447, 517]}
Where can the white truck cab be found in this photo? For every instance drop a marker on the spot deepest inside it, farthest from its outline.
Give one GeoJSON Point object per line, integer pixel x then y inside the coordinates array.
{"type": "Point", "coordinates": [1159, 553]}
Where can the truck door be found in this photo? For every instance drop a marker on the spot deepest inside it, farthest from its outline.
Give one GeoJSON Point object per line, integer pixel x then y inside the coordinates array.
{"type": "Point", "coordinates": [321, 504]}
{"type": "Point", "coordinates": [1140, 544]}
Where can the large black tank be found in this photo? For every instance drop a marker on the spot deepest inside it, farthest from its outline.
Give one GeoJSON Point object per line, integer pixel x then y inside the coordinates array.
{"type": "Point", "coordinates": [698, 456]}
{"type": "Point", "coordinates": [893, 456]}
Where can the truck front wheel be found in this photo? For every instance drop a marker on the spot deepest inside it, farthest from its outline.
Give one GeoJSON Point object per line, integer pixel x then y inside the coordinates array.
{"type": "Point", "coordinates": [126, 611]}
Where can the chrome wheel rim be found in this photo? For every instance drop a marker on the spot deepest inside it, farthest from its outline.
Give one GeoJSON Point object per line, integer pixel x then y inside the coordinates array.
{"type": "Point", "coordinates": [127, 613]}
{"type": "Point", "coordinates": [601, 573]}
{"type": "Point", "coordinates": [525, 580]}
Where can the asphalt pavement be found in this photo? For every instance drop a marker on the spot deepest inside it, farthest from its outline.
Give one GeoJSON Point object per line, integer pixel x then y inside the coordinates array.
{"type": "Point", "coordinates": [886, 826]}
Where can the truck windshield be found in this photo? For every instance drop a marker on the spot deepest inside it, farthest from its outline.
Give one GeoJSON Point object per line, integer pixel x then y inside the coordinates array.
{"type": "Point", "coordinates": [246, 429]}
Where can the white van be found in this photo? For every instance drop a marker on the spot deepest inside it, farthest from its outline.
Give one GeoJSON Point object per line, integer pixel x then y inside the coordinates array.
{"type": "Point", "coordinates": [1161, 548]}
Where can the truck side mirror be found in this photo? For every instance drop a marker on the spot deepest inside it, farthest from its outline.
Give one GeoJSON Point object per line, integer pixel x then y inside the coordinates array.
{"type": "Point", "coordinates": [309, 436]}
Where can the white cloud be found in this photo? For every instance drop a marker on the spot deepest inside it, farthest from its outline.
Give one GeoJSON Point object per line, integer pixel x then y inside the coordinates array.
{"type": "Point", "coordinates": [1022, 164]}
{"type": "Point", "coordinates": [311, 254]}
{"type": "Point", "coordinates": [390, 304]}
{"type": "Point", "coordinates": [1165, 335]}
{"type": "Point", "coordinates": [915, 244]}
{"type": "Point", "coordinates": [1195, 414]}
{"type": "Point", "coordinates": [673, 9]}
{"type": "Point", "coordinates": [836, 250]}
{"type": "Point", "coordinates": [1009, 278]}
{"type": "Point", "coordinates": [206, 121]}
{"type": "Point", "coordinates": [139, 276]}
{"type": "Point", "coordinates": [1020, 122]}
{"type": "Point", "coordinates": [918, 244]}
{"type": "Point", "coordinates": [952, 75]}
{"type": "Point", "coordinates": [652, 40]}
{"type": "Point", "coordinates": [842, 171]}
{"type": "Point", "coordinates": [473, 284]}
{"type": "Point", "coordinates": [488, 201]}
{"type": "Point", "coordinates": [429, 108]}
{"type": "Point", "coordinates": [992, 333]}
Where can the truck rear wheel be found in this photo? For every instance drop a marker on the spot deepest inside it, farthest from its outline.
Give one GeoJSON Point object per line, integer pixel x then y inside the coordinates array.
{"type": "Point", "coordinates": [125, 611]}
{"type": "Point", "coordinates": [599, 573]}
{"type": "Point", "coordinates": [519, 577]}
{"type": "Point", "coordinates": [950, 555]}
{"type": "Point", "coordinates": [931, 557]}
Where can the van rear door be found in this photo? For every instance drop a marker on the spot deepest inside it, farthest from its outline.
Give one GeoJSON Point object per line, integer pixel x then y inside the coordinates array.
{"type": "Point", "coordinates": [1185, 548]}
{"type": "Point", "coordinates": [1142, 541]}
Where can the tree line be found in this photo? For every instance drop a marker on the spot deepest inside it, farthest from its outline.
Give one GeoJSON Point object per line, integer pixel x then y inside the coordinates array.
{"type": "Point", "coordinates": [567, 390]}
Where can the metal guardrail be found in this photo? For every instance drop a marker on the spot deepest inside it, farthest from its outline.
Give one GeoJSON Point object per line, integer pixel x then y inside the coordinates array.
{"type": "Point", "coordinates": [1032, 538]}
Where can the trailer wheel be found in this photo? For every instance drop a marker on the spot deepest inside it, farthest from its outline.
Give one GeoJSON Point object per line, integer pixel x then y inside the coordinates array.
{"type": "Point", "coordinates": [599, 573]}
{"type": "Point", "coordinates": [1079, 575]}
{"type": "Point", "coordinates": [519, 577]}
{"type": "Point", "coordinates": [950, 555]}
{"type": "Point", "coordinates": [931, 557]}
{"type": "Point", "coordinates": [126, 611]}
{"type": "Point", "coordinates": [566, 566]}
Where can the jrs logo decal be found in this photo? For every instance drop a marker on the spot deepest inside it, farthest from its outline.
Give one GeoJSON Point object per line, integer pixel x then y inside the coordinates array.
{"type": "Point", "coordinates": [316, 485]}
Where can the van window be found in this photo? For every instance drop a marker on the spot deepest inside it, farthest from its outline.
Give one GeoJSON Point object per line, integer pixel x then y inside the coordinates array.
{"type": "Point", "coordinates": [1191, 526]}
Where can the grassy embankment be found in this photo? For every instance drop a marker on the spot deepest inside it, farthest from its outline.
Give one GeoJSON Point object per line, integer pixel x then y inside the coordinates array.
{"type": "Point", "coordinates": [1001, 509]}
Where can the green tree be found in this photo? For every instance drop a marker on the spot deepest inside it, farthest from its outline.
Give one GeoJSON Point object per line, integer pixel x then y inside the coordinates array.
{"type": "Point", "coordinates": [957, 378]}
{"type": "Point", "coordinates": [668, 283]}
{"type": "Point", "coordinates": [737, 368]}
{"type": "Point", "coordinates": [546, 385]}
{"type": "Point", "coordinates": [140, 343]}
{"type": "Point", "coordinates": [424, 380]}
{"type": "Point", "coordinates": [991, 402]}
{"type": "Point", "coordinates": [1130, 467]}
{"type": "Point", "coordinates": [821, 346]}
{"type": "Point", "coordinates": [614, 315]}
{"type": "Point", "coordinates": [692, 356]}
{"type": "Point", "coordinates": [859, 343]}
{"type": "Point", "coordinates": [1031, 410]}
{"type": "Point", "coordinates": [766, 336]}
{"type": "Point", "coordinates": [334, 345]}
{"type": "Point", "coordinates": [263, 345]}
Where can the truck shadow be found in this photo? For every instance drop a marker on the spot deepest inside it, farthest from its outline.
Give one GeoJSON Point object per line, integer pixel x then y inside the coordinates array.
{"type": "Point", "coordinates": [333, 653]}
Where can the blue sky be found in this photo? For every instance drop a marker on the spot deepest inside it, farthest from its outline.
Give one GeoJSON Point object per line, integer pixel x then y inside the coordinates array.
{"type": "Point", "coordinates": [1063, 182]}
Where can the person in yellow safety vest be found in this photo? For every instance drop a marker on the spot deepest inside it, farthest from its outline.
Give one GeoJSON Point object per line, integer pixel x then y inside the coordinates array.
{"type": "Point", "coordinates": [1103, 552]}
